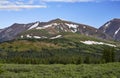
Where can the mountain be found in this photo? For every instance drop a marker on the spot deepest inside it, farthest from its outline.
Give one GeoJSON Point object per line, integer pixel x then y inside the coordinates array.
{"type": "Point", "coordinates": [0, 30]}
{"type": "Point", "coordinates": [54, 42]}
{"type": "Point", "coordinates": [12, 31]}
{"type": "Point", "coordinates": [50, 29]}
{"type": "Point", "coordinates": [112, 28]}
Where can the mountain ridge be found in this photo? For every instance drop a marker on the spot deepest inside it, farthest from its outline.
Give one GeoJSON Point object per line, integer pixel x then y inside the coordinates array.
{"type": "Point", "coordinates": [112, 28]}
{"type": "Point", "coordinates": [52, 27]}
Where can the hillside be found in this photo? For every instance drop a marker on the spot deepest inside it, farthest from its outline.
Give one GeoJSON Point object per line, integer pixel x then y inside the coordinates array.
{"type": "Point", "coordinates": [65, 49]}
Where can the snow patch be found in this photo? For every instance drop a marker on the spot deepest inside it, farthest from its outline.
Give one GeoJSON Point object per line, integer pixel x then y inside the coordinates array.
{"type": "Point", "coordinates": [55, 24]}
{"type": "Point", "coordinates": [21, 36]}
{"type": "Point", "coordinates": [65, 30]}
{"type": "Point", "coordinates": [74, 26]}
{"type": "Point", "coordinates": [58, 36]}
{"type": "Point", "coordinates": [106, 25]}
{"type": "Point", "coordinates": [74, 30]}
{"type": "Point", "coordinates": [28, 36]}
{"type": "Point", "coordinates": [84, 27]}
{"type": "Point", "coordinates": [116, 31]}
{"type": "Point", "coordinates": [37, 37]}
{"type": "Point", "coordinates": [46, 26]}
{"type": "Point", "coordinates": [33, 26]}
{"type": "Point", "coordinates": [71, 25]}
{"type": "Point", "coordinates": [61, 28]}
{"type": "Point", "coordinates": [98, 43]}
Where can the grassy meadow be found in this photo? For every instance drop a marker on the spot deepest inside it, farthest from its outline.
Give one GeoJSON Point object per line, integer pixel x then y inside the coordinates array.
{"type": "Point", "coordinates": [108, 70]}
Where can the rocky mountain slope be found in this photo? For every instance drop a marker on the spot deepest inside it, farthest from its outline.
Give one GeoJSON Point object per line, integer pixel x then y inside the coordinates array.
{"type": "Point", "coordinates": [50, 29]}
{"type": "Point", "coordinates": [112, 28]}
{"type": "Point", "coordinates": [12, 31]}
{"type": "Point", "coordinates": [0, 30]}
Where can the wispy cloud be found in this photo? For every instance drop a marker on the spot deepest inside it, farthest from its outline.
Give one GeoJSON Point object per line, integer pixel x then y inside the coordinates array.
{"type": "Point", "coordinates": [19, 4]}
{"type": "Point", "coordinates": [31, 4]}
{"type": "Point", "coordinates": [19, 7]}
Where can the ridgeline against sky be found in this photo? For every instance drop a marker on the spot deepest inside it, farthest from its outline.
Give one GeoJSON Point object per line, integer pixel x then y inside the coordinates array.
{"type": "Point", "coordinates": [90, 12]}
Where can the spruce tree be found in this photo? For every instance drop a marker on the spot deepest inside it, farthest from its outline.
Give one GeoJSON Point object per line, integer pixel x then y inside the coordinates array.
{"type": "Point", "coordinates": [108, 54]}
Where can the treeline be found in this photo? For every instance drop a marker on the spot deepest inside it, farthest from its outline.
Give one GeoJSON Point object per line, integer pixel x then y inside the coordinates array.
{"type": "Point", "coordinates": [59, 56]}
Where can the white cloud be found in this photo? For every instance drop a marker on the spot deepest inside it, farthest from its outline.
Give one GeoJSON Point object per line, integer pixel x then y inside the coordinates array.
{"type": "Point", "coordinates": [18, 7]}
{"type": "Point", "coordinates": [30, 4]}
{"type": "Point", "coordinates": [19, 4]}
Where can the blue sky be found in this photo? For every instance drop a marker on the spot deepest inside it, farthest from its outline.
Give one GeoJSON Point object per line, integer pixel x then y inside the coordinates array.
{"type": "Point", "coordinates": [90, 12]}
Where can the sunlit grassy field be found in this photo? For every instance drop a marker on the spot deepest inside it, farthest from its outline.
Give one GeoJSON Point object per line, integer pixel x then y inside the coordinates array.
{"type": "Point", "coordinates": [110, 70]}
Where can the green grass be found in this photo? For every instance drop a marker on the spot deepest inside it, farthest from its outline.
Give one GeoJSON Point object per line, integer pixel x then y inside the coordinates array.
{"type": "Point", "coordinates": [38, 32]}
{"type": "Point", "coordinates": [22, 50]}
{"type": "Point", "coordinates": [52, 49]}
{"type": "Point", "coordinates": [110, 70]}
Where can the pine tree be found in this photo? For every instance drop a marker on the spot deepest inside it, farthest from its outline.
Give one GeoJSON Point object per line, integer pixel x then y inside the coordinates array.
{"type": "Point", "coordinates": [87, 60]}
{"type": "Point", "coordinates": [79, 61]}
{"type": "Point", "coordinates": [108, 54]}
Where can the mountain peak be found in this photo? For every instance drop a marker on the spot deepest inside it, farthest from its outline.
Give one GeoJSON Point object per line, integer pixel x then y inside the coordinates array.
{"type": "Point", "coordinates": [56, 20]}
{"type": "Point", "coordinates": [37, 22]}
{"type": "Point", "coordinates": [116, 19]}
{"type": "Point", "coordinates": [112, 28]}
{"type": "Point", "coordinates": [15, 24]}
